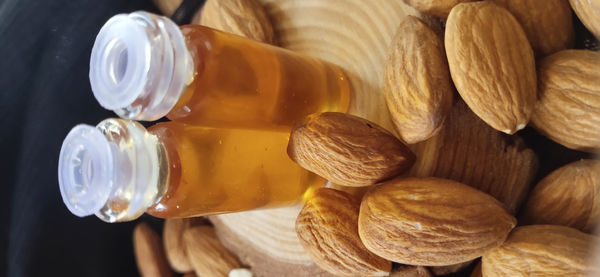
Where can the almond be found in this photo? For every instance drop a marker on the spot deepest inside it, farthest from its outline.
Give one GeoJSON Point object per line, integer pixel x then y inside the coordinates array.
{"type": "Point", "coordinates": [149, 254]}
{"type": "Point", "coordinates": [348, 150]}
{"type": "Point", "coordinates": [467, 150]}
{"type": "Point", "coordinates": [568, 111]}
{"type": "Point", "coordinates": [568, 196]}
{"type": "Point", "coordinates": [410, 271]}
{"type": "Point", "coordinates": [206, 253]}
{"type": "Point", "coordinates": [588, 12]}
{"type": "Point", "coordinates": [417, 84]}
{"type": "Point", "coordinates": [167, 7]}
{"type": "Point", "coordinates": [431, 221]}
{"type": "Point", "coordinates": [439, 8]}
{"type": "Point", "coordinates": [245, 18]}
{"type": "Point", "coordinates": [327, 227]}
{"type": "Point", "coordinates": [174, 245]}
{"type": "Point", "coordinates": [492, 64]}
{"type": "Point", "coordinates": [547, 23]}
{"type": "Point", "coordinates": [542, 250]}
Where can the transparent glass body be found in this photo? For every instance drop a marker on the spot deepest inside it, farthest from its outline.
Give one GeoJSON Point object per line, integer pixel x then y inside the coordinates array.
{"type": "Point", "coordinates": [144, 67]}
{"type": "Point", "coordinates": [241, 82]}
{"type": "Point", "coordinates": [120, 170]}
{"type": "Point", "coordinates": [216, 170]}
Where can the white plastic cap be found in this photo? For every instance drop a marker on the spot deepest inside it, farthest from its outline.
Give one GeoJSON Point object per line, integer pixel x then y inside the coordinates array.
{"type": "Point", "coordinates": [85, 170]}
{"type": "Point", "coordinates": [139, 65]}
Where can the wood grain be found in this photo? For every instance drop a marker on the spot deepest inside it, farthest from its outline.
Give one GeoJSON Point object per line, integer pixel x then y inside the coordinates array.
{"type": "Point", "coordinates": [353, 34]}
{"type": "Point", "coordinates": [266, 241]}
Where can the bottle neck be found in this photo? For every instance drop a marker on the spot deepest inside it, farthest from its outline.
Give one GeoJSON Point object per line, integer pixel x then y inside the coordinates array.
{"type": "Point", "coordinates": [115, 170]}
{"type": "Point", "coordinates": [140, 65]}
{"type": "Point", "coordinates": [141, 170]}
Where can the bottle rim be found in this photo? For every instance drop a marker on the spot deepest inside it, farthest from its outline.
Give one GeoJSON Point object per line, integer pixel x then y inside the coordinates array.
{"type": "Point", "coordinates": [140, 65]}
{"type": "Point", "coordinates": [85, 168]}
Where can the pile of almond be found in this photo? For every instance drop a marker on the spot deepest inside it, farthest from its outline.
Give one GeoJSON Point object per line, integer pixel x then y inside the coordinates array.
{"type": "Point", "coordinates": [450, 189]}
{"type": "Point", "coordinates": [511, 65]}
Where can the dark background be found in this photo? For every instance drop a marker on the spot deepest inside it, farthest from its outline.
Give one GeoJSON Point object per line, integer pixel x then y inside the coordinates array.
{"type": "Point", "coordinates": [45, 47]}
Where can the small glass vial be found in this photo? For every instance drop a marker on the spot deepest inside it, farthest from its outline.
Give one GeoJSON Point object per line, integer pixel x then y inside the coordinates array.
{"type": "Point", "coordinates": [143, 67]}
{"type": "Point", "coordinates": [118, 170]}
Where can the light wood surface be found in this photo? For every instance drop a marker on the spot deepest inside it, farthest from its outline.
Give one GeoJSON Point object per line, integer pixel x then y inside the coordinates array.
{"type": "Point", "coordinates": [353, 34]}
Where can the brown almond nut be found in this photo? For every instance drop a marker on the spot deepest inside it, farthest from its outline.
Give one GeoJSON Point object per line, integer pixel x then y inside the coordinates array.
{"type": "Point", "coordinates": [245, 18]}
{"type": "Point", "coordinates": [568, 111]}
{"type": "Point", "coordinates": [348, 150]}
{"type": "Point", "coordinates": [492, 64]}
{"type": "Point", "coordinates": [547, 23]}
{"type": "Point", "coordinates": [167, 7]}
{"type": "Point", "coordinates": [410, 271]}
{"type": "Point", "coordinates": [206, 253]}
{"type": "Point", "coordinates": [174, 245]}
{"type": "Point", "coordinates": [588, 12]}
{"type": "Point", "coordinates": [449, 269]}
{"type": "Point", "coordinates": [467, 150]}
{"type": "Point", "coordinates": [149, 254]}
{"type": "Point", "coordinates": [569, 196]}
{"type": "Point", "coordinates": [439, 8]}
{"type": "Point", "coordinates": [431, 221]}
{"type": "Point", "coordinates": [416, 83]}
{"type": "Point", "coordinates": [542, 250]}
{"type": "Point", "coordinates": [327, 227]}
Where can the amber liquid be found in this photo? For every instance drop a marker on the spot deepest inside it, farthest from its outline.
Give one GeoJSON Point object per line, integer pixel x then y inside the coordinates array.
{"type": "Point", "coordinates": [215, 170]}
{"type": "Point", "coordinates": [242, 83]}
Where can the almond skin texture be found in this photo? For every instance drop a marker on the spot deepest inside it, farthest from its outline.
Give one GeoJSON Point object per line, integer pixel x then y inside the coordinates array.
{"type": "Point", "coordinates": [416, 83]}
{"type": "Point", "coordinates": [149, 254]}
{"type": "Point", "coordinates": [492, 64]}
{"type": "Point", "coordinates": [431, 221]}
{"type": "Point", "coordinates": [568, 110]}
{"type": "Point", "coordinates": [438, 8]}
{"type": "Point", "coordinates": [569, 196]}
{"type": "Point", "coordinates": [410, 271]}
{"type": "Point", "coordinates": [548, 24]}
{"type": "Point", "coordinates": [348, 150]}
{"type": "Point", "coordinates": [327, 227]}
{"type": "Point", "coordinates": [469, 151]}
{"type": "Point", "coordinates": [542, 250]}
{"type": "Point", "coordinates": [245, 18]}
{"type": "Point", "coordinates": [588, 12]}
{"type": "Point", "coordinates": [206, 253]}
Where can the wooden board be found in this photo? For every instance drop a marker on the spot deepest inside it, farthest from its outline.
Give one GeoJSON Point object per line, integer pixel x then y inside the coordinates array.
{"type": "Point", "coordinates": [353, 34]}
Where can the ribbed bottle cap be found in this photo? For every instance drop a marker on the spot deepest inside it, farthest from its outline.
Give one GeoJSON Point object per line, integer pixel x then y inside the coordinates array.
{"type": "Point", "coordinates": [140, 65]}
{"type": "Point", "coordinates": [119, 62]}
{"type": "Point", "coordinates": [85, 169]}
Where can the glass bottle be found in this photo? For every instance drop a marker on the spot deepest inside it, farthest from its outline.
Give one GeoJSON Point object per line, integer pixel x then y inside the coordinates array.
{"type": "Point", "coordinates": [143, 67]}
{"type": "Point", "coordinates": [118, 170]}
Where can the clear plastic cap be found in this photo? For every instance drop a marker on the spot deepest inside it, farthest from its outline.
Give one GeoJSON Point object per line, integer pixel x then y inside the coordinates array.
{"type": "Point", "coordinates": [115, 170]}
{"type": "Point", "coordinates": [139, 65]}
{"type": "Point", "coordinates": [85, 169]}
